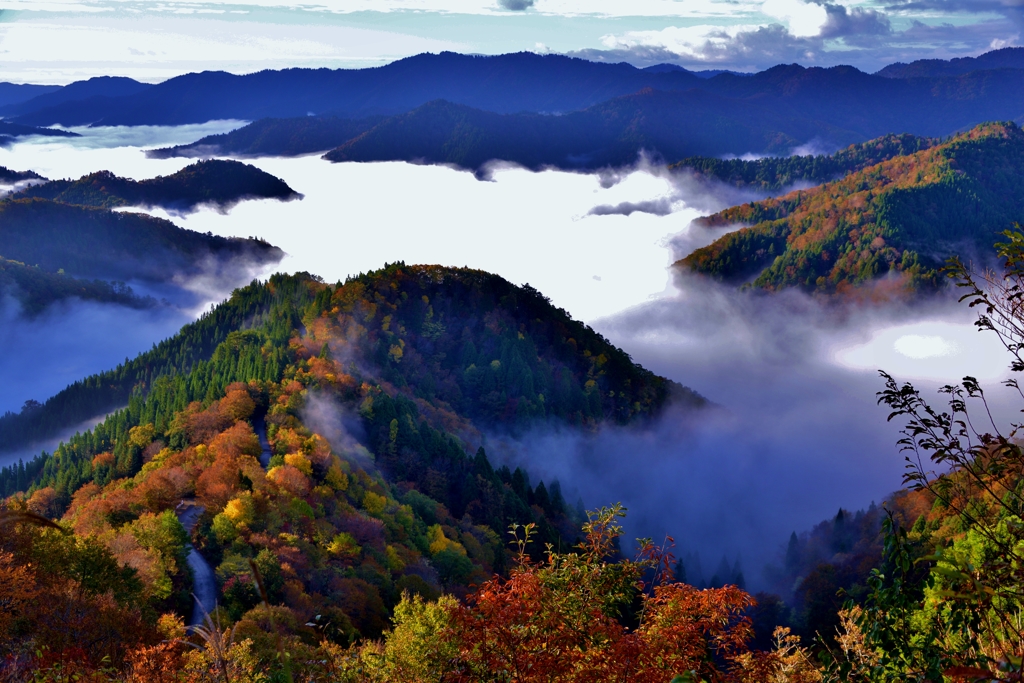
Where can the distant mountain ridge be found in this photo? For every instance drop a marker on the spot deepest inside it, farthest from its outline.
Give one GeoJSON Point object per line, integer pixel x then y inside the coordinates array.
{"type": "Point", "coordinates": [503, 83]}
{"type": "Point", "coordinates": [101, 86]}
{"type": "Point", "coordinates": [221, 183]}
{"type": "Point", "coordinates": [16, 130]}
{"type": "Point", "coordinates": [1006, 58]}
{"type": "Point", "coordinates": [897, 220]}
{"type": "Point", "coordinates": [771, 112]}
{"type": "Point", "coordinates": [13, 93]}
{"type": "Point", "coordinates": [274, 137]}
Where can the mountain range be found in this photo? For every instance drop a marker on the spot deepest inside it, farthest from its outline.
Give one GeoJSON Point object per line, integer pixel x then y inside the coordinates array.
{"type": "Point", "coordinates": [509, 106]}
{"type": "Point", "coordinates": [773, 112]}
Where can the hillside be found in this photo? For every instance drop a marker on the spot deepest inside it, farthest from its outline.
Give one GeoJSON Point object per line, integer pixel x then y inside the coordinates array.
{"type": "Point", "coordinates": [221, 183]}
{"type": "Point", "coordinates": [900, 218]}
{"type": "Point", "coordinates": [497, 355]}
{"type": "Point", "coordinates": [274, 137]}
{"type": "Point", "coordinates": [98, 243]}
{"type": "Point", "coordinates": [775, 173]}
{"type": "Point", "coordinates": [35, 289]}
{"type": "Point", "coordinates": [333, 434]}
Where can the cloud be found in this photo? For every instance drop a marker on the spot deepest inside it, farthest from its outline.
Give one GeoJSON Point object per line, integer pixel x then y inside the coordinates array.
{"type": "Point", "coordinates": [658, 207]}
{"type": "Point", "coordinates": [795, 435]}
{"type": "Point", "coordinates": [857, 27]}
{"type": "Point", "coordinates": [517, 5]}
{"type": "Point", "coordinates": [820, 33]}
{"type": "Point", "coordinates": [804, 19]}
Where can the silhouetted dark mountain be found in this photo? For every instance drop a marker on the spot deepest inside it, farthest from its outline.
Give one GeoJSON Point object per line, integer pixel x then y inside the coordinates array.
{"type": "Point", "coordinates": [504, 83]}
{"type": "Point", "coordinates": [13, 93]}
{"type": "Point", "coordinates": [101, 86]}
{"type": "Point", "coordinates": [1007, 58]}
{"type": "Point", "coordinates": [17, 130]}
{"type": "Point", "coordinates": [90, 242]}
{"type": "Point", "coordinates": [36, 289]}
{"type": "Point", "coordinates": [771, 112]}
{"type": "Point", "coordinates": [609, 134]}
{"type": "Point", "coordinates": [218, 182]}
{"type": "Point", "coordinates": [274, 137]}
{"type": "Point", "coordinates": [7, 176]}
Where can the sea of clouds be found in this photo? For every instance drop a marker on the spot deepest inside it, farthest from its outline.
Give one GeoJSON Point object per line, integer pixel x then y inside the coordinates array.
{"type": "Point", "coordinates": [796, 433]}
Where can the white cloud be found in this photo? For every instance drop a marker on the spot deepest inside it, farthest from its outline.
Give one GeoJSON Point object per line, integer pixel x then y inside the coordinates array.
{"type": "Point", "coordinates": [47, 50]}
{"type": "Point", "coordinates": [803, 19]}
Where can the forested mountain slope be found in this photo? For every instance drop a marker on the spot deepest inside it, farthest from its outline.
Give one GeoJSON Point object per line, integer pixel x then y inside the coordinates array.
{"type": "Point", "coordinates": [372, 395]}
{"type": "Point", "coordinates": [8, 176]}
{"type": "Point", "coordinates": [94, 242]}
{"type": "Point", "coordinates": [35, 289]}
{"type": "Point", "coordinates": [221, 183]}
{"type": "Point", "coordinates": [466, 344]}
{"type": "Point", "coordinates": [775, 173]}
{"type": "Point", "coordinates": [900, 218]}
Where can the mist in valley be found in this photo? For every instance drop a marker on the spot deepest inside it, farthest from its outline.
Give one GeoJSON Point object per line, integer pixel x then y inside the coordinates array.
{"type": "Point", "coordinates": [794, 434]}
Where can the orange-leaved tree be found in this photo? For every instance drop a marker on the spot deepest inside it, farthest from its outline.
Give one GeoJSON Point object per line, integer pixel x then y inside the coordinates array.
{"type": "Point", "coordinates": [580, 616]}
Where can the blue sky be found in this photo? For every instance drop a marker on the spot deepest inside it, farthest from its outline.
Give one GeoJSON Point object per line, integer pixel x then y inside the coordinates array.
{"type": "Point", "coordinates": [57, 41]}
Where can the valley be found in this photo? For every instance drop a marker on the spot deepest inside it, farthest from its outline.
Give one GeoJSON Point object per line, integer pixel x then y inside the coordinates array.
{"type": "Point", "coordinates": [525, 322]}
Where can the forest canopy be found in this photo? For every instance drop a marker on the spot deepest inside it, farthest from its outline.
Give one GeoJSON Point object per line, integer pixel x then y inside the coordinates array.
{"type": "Point", "coordinates": [891, 224]}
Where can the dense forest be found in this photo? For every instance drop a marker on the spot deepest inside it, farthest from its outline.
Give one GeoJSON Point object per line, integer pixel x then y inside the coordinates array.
{"type": "Point", "coordinates": [36, 289]}
{"type": "Point", "coordinates": [332, 437]}
{"type": "Point", "coordinates": [220, 183]}
{"type": "Point", "coordinates": [7, 176]}
{"type": "Point", "coordinates": [383, 556]}
{"type": "Point", "coordinates": [94, 242]}
{"type": "Point", "coordinates": [890, 224]}
{"type": "Point", "coordinates": [776, 173]}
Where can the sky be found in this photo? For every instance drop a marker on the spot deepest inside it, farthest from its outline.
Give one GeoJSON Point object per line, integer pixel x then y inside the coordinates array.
{"type": "Point", "coordinates": [59, 41]}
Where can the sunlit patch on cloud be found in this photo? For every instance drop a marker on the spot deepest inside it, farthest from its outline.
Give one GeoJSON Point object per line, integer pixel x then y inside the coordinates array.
{"type": "Point", "coordinates": [803, 18]}
{"type": "Point", "coordinates": [919, 347]}
{"type": "Point", "coordinates": [936, 350]}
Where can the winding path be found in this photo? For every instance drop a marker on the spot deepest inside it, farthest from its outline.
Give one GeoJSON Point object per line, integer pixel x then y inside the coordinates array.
{"type": "Point", "coordinates": [261, 434]}
{"type": "Point", "coordinates": [204, 585]}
